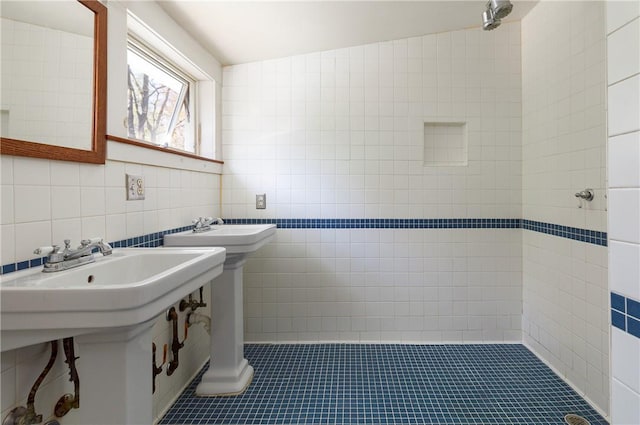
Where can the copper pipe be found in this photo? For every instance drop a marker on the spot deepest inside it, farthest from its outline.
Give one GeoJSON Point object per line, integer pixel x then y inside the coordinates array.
{"type": "Point", "coordinates": [31, 417]}
{"type": "Point", "coordinates": [176, 345]}
{"type": "Point", "coordinates": [192, 304]}
{"type": "Point", "coordinates": [68, 401]}
{"type": "Point", "coordinates": [157, 370]}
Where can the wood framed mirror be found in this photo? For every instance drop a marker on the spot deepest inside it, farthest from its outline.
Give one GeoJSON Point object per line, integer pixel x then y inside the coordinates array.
{"type": "Point", "coordinates": [96, 96]}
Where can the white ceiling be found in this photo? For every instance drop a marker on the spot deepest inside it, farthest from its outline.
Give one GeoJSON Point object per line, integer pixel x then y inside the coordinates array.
{"type": "Point", "coordinates": [246, 31]}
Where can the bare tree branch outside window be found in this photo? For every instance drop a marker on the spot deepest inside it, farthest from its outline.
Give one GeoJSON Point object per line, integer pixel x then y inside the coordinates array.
{"type": "Point", "coordinates": [158, 104]}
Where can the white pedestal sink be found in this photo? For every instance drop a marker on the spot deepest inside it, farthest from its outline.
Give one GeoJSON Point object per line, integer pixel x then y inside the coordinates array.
{"type": "Point", "coordinates": [109, 307]}
{"type": "Point", "coordinates": [229, 372]}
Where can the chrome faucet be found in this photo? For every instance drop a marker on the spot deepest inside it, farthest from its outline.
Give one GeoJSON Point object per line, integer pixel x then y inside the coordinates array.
{"type": "Point", "coordinates": [584, 195]}
{"type": "Point", "coordinates": [69, 258]}
{"type": "Point", "coordinates": [203, 224]}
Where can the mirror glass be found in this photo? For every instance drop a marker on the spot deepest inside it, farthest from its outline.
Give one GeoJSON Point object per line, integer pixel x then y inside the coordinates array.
{"type": "Point", "coordinates": [49, 57]}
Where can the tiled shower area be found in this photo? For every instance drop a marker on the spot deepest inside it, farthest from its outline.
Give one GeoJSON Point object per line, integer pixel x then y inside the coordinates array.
{"type": "Point", "coordinates": [385, 236]}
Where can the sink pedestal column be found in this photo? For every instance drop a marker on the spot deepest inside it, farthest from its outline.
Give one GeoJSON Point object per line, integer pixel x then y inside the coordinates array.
{"type": "Point", "coordinates": [115, 379]}
{"type": "Point", "coordinates": [229, 372]}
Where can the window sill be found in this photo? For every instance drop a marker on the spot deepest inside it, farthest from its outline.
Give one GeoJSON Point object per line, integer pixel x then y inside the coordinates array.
{"type": "Point", "coordinates": [127, 150]}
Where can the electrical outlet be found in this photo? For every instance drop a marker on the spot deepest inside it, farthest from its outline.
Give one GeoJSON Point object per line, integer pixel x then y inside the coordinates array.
{"type": "Point", "coordinates": [261, 201]}
{"type": "Point", "coordinates": [135, 187]}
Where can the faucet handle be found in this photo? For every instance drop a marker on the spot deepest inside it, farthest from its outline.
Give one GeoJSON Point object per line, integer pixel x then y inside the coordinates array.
{"type": "Point", "coordinates": [86, 242]}
{"type": "Point", "coordinates": [46, 250]}
{"type": "Point", "coordinates": [67, 244]}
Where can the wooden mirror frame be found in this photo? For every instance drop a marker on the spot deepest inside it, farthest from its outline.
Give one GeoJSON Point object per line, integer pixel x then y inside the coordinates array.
{"type": "Point", "coordinates": [98, 150]}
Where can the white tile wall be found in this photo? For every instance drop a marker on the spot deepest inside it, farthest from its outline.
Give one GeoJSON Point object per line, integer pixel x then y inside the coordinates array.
{"type": "Point", "coordinates": [374, 285]}
{"type": "Point", "coordinates": [624, 192]}
{"type": "Point", "coordinates": [624, 106]}
{"type": "Point", "coordinates": [340, 134]}
{"type": "Point", "coordinates": [565, 293]}
{"type": "Point", "coordinates": [624, 150]}
{"type": "Point", "coordinates": [35, 58]}
{"type": "Point", "coordinates": [625, 406]}
{"type": "Point", "coordinates": [621, 12]}
{"type": "Point", "coordinates": [623, 215]}
{"type": "Point", "coordinates": [44, 202]}
{"type": "Point", "coordinates": [565, 314]}
{"type": "Point", "coordinates": [624, 268]}
{"type": "Point", "coordinates": [623, 59]}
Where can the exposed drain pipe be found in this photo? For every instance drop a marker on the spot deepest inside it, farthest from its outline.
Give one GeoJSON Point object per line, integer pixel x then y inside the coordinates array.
{"type": "Point", "coordinates": [68, 401]}
{"type": "Point", "coordinates": [193, 318]}
{"type": "Point", "coordinates": [28, 416]}
{"type": "Point", "coordinates": [176, 345]}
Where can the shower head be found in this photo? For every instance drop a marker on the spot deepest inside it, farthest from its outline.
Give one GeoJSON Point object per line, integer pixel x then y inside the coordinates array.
{"type": "Point", "coordinates": [489, 21]}
{"type": "Point", "coordinates": [500, 8]}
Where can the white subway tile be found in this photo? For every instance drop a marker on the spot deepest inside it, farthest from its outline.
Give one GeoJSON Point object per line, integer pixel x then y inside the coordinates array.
{"type": "Point", "coordinates": [624, 160]}
{"type": "Point", "coordinates": [65, 173]}
{"type": "Point", "coordinates": [6, 169]}
{"type": "Point", "coordinates": [624, 268]}
{"type": "Point", "coordinates": [7, 204]}
{"type": "Point", "coordinates": [92, 201]}
{"type": "Point", "coordinates": [92, 175]}
{"type": "Point", "coordinates": [114, 174]}
{"type": "Point", "coordinates": [66, 229]}
{"type": "Point", "coordinates": [115, 200]}
{"type": "Point", "coordinates": [7, 232]}
{"type": "Point", "coordinates": [32, 203]}
{"type": "Point", "coordinates": [625, 404]}
{"type": "Point", "coordinates": [30, 236]}
{"type": "Point", "coordinates": [624, 210]}
{"type": "Point", "coordinates": [624, 106]}
{"type": "Point", "coordinates": [135, 224]}
{"type": "Point", "coordinates": [623, 52]}
{"type": "Point", "coordinates": [31, 171]}
{"type": "Point", "coordinates": [620, 12]}
{"type": "Point", "coordinates": [625, 352]}
{"type": "Point", "coordinates": [93, 227]}
{"type": "Point", "coordinates": [65, 202]}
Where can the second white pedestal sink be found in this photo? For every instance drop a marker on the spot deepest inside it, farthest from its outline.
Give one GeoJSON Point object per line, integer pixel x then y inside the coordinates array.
{"type": "Point", "coordinates": [229, 372]}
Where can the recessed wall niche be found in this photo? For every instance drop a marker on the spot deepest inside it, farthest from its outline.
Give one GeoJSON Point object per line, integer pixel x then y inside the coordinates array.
{"type": "Point", "coordinates": [445, 143]}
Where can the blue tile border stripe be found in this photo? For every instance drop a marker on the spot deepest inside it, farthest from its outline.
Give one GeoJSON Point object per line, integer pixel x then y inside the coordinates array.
{"type": "Point", "coordinates": [156, 239]}
{"type": "Point", "coordinates": [574, 233]}
{"type": "Point", "coordinates": [625, 314]}
{"type": "Point", "coordinates": [150, 240]}
{"type": "Point", "coordinates": [582, 235]}
{"type": "Point", "coordinates": [383, 223]}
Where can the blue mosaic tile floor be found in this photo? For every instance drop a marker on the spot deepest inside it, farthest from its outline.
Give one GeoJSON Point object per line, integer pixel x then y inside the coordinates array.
{"type": "Point", "coordinates": [389, 384]}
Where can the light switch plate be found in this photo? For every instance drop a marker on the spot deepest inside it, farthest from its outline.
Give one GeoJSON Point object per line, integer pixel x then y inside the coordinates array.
{"type": "Point", "coordinates": [135, 187]}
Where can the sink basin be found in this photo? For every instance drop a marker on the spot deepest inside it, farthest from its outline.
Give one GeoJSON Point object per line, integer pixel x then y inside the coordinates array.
{"type": "Point", "coordinates": [236, 238]}
{"type": "Point", "coordinates": [131, 286]}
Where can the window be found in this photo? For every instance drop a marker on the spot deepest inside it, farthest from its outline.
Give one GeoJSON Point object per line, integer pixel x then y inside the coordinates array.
{"type": "Point", "coordinates": [160, 101]}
